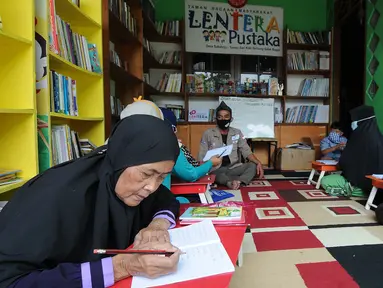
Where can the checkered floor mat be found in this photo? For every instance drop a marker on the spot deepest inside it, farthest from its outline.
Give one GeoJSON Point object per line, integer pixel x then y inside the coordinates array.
{"type": "Point", "coordinates": [302, 237]}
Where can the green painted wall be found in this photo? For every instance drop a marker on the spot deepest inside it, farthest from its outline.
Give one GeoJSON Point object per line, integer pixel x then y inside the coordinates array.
{"type": "Point", "coordinates": [374, 57]}
{"type": "Point", "coordinates": [303, 15]}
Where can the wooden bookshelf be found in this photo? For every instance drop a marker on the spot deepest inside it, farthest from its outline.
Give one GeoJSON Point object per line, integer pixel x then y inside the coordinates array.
{"type": "Point", "coordinates": [18, 114]}
{"type": "Point", "coordinates": [85, 20]}
{"type": "Point", "coordinates": [126, 84]}
{"type": "Point", "coordinates": [141, 61]}
{"type": "Point", "coordinates": [299, 75]}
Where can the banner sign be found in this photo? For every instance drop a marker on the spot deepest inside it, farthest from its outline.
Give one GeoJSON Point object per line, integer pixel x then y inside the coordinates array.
{"type": "Point", "coordinates": [212, 27]}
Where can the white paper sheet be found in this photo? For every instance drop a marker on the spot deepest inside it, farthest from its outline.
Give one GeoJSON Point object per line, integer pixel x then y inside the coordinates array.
{"type": "Point", "coordinates": [223, 151]}
{"type": "Point", "coordinates": [201, 233]}
{"type": "Point", "coordinates": [205, 256]}
{"type": "Point", "coordinates": [379, 176]}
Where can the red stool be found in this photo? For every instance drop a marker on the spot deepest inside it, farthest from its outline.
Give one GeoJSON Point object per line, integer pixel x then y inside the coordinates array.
{"type": "Point", "coordinates": [323, 169]}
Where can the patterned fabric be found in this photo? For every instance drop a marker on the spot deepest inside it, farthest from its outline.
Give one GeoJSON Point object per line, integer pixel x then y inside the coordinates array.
{"type": "Point", "coordinates": [331, 141]}
{"type": "Point", "coordinates": [336, 138]}
{"type": "Point", "coordinates": [189, 157]}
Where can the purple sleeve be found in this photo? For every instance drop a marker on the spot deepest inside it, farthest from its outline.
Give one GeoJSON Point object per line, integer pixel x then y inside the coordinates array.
{"type": "Point", "coordinates": [68, 275]}
{"type": "Point", "coordinates": [168, 215]}
{"type": "Point", "coordinates": [98, 273]}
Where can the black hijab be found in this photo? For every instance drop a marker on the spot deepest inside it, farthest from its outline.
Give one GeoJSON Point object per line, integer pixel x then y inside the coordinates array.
{"type": "Point", "coordinates": [363, 154]}
{"type": "Point", "coordinates": [64, 213]}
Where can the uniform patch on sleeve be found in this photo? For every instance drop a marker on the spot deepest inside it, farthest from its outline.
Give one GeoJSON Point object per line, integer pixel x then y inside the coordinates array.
{"type": "Point", "coordinates": [242, 136]}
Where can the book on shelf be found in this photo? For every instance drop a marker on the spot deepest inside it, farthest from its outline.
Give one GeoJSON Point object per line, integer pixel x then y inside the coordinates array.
{"type": "Point", "coordinates": [278, 115]}
{"type": "Point", "coordinates": [318, 37]}
{"type": "Point", "coordinates": [94, 58]}
{"type": "Point", "coordinates": [178, 110]}
{"type": "Point", "coordinates": [308, 114]}
{"type": "Point", "coordinates": [66, 144]}
{"type": "Point", "coordinates": [200, 66]}
{"type": "Point", "coordinates": [87, 146]}
{"type": "Point", "coordinates": [146, 78]}
{"type": "Point", "coordinates": [170, 82]}
{"type": "Point", "coordinates": [70, 45]}
{"type": "Point", "coordinates": [63, 93]}
{"type": "Point", "coordinates": [170, 57]}
{"type": "Point", "coordinates": [324, 60]}
{"type": "Point", "coordinates": [115, 58]}
{"type": "Point", "coordinates": [148, 46]}
{"type": "Point", "coordinates": [168, 28]}
{"type": "Point", "coordinates": [314, 87]}
{"type": "Point", "coordinates": [308, 60]}
{"type": "Point", "coordinates": [122, 11]}
{"type": "Point", "coordinates": [302, 60]}
{"type": "Point", "coordinates": [9, 177]}
{"type": "Point", "coordinates": [115, 106]}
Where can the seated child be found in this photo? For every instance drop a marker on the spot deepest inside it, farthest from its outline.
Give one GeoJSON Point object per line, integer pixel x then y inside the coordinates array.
{"type": "Point", "coordinates": [332, 145]}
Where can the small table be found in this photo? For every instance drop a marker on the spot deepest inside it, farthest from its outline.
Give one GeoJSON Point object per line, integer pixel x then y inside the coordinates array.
{"type": "Point", "coordinates": [231, 238]}
{"type": "Point", "coordinates": [376, 184]}
{"type": "Point", "coordinates": [323, 168]}
{"type": "Point", "coordinates": [270, 142]}
{"type": "Point", "coordinates": [200, 187]}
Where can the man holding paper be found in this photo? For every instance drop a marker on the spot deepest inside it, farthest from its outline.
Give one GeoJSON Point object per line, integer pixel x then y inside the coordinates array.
{"type": "Point", "coordinates": [229, 142]}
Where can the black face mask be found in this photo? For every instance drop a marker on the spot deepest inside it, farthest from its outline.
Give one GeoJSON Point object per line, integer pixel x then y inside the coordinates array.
{"type": "Point", "coordinates": [223, 124]}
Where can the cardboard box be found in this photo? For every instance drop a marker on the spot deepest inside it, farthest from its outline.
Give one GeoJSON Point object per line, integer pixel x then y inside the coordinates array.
{"type": "Point", "coordinates": [295, 159]}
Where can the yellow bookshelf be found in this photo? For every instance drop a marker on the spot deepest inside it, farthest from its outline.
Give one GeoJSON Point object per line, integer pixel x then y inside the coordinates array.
{"type": "Point", "coordinates": [84, 20]}
{"type": "Point", "coordinates": [18, 115]}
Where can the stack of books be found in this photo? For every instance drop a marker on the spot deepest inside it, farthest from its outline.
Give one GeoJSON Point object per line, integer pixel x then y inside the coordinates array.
{"type": "Point", "coordinates": [9, 177]}
{"type": "Point", "coordinates": [218, 215]}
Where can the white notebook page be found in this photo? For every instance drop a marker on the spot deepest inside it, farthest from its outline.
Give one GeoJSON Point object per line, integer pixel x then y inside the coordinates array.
{"type": "Point", "coordinates": [205, 256]}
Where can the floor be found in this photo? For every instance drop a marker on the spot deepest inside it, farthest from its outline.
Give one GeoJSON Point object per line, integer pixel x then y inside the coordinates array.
{"type": "Point", "coordinates": [302, 237]}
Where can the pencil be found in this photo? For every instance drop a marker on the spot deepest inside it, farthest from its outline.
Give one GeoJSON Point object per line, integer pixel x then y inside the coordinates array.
{"type": "Point", "coordinates": [132, 251]}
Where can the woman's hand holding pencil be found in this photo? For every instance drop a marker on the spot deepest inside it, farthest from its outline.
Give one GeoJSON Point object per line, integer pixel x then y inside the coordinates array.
{"type": "Point", "coordinates": [144, 260]}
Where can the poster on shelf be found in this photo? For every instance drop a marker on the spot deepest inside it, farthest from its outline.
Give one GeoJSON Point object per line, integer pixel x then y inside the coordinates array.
{"type": "Point", "coordinates": [253, 116]}
{"type": "Point", "coordinates": [201, 115]}
{"type": "Point", "coordinates": [212, 27]}
{"type": "Point", "coordinates": [42, 91]}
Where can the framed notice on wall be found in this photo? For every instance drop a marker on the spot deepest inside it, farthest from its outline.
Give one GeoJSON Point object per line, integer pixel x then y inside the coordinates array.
{"type": "Point", "coordinates": [253, 116]}
{"type": "Point", "coordinates": [212, 27]}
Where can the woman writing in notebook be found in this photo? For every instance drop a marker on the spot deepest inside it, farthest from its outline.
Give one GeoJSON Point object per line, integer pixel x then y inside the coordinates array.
{"type": "Point", "coordinates": [111, 198]}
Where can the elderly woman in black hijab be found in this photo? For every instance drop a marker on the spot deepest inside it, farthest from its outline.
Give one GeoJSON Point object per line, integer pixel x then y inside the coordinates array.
{"type": "Point", "coordinates": [111, 198]}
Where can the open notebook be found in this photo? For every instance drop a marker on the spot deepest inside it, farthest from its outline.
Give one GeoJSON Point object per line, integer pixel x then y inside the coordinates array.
{"type": "Point", "coordinates": [205, 256]}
